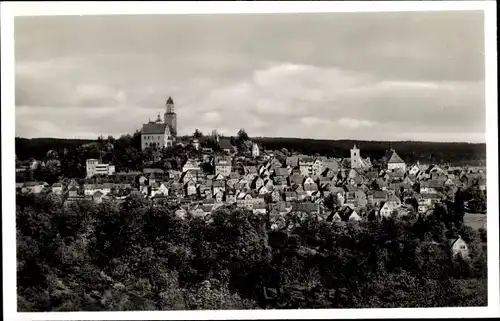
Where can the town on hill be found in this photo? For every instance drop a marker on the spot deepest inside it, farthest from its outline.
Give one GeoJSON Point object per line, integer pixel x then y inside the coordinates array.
{"type": "Point", "coordinates": [101, 191]}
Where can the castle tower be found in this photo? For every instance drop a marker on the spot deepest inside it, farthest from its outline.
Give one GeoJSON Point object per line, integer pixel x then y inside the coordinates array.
{"type": "Point", "coordinates": [170, 117]}
{"type": "Point", "coordinates": [356, 161]}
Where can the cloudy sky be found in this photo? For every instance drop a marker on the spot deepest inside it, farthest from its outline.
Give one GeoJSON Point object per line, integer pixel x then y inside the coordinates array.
{"type": "Point", "coordinates": [371, 76]}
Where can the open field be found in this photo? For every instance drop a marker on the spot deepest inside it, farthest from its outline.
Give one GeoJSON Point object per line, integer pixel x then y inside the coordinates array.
{"type": "Point", "coordinates": [475, 220]}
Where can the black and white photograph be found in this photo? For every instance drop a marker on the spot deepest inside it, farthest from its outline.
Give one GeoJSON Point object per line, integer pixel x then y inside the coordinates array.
{"type": "Point", "coordinates": [268, 161]}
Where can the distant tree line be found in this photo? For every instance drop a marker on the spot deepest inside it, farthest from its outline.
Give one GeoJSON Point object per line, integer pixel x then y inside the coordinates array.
{"type": "Point", "coordinates": [409, 151]}
{"type": "Point", "coordinates": [425, 152]}
{"type": "Point", "coordinates": [140, 256]}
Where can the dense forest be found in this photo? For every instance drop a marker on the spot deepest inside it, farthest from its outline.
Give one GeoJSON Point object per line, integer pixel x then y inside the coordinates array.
{"type": "Point", "coordinates": [137, 255]}
{"type": "Point", "coordinates": [409, 151]}
{"type": "Point", "coordinates": [425, 152]}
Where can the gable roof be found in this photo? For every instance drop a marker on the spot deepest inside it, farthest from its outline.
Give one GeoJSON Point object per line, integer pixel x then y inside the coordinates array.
{"type": "Point", "coordinates": [392, 157]}
{"type": "Point", "coordinates": [380, 194]}
{"type": "Point", "coordinates": [153, 129]}
{"type": "Point", "coordinates": [224, 143]}
{"type": "Point", "coordinates": [281, 172]}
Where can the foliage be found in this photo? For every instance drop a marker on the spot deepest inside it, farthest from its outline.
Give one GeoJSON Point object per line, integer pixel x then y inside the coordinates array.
{"type": "Point", "coordinates": [139, 256]}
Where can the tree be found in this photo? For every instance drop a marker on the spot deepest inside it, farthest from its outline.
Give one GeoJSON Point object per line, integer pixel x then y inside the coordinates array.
{"type": "Point", "coordinates": [197, 133]}
{"type": "Point", "coordinates": [242, 135]}
{"type": "Point", "coordinates": [138, 255]}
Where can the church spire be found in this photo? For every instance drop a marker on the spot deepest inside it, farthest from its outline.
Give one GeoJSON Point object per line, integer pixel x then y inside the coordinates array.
{"type": "Point", "coordinates": [170, 105]}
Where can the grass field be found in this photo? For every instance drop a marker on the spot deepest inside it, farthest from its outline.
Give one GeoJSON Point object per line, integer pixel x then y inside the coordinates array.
{"type": "Point", "coordinates": [475, 220]}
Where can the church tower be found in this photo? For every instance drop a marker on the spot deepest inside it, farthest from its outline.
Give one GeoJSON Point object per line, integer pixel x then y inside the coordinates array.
{"type": "Point", "coordinates": [356, 161]}
{"type": "Point", "coordinates": [170, 117]}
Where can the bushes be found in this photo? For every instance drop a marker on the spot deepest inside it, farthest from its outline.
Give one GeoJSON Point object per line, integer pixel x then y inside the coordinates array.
{"type": "Point", "coordinates": [138, 257]}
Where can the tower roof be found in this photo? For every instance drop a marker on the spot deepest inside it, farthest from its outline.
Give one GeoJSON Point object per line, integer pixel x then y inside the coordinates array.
{"type": "Point", "coordinates": [170, 100]}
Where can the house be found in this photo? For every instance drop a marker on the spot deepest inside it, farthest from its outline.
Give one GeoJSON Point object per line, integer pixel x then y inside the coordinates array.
{"type": "Point", "coordinates": [242, 184]}
{"type": "Point", "coordinates": [57, 188]}
{"type": "Point", "coordinates": [255, 150]}
{"type": "Point", "coordinates": [197, 211]}
{"type": "Point", "coordinates": [190, 188]}
{"type": "Point", "coordinates": [225, 146]}
{"type": "Point", "coordinates": [191, 164]}
{"type": "Point", "coordinates": [218, 185]}
{"type": "Point", "coordinates": [97, 197]}
{"type": "Point", "coordinates": [269, 184]}
{"type": "Point", "coordinates": [317, 167]}
{"type": "Point", "coordinates": [232, 179]}
{"type": "Point", "coordinates": [163, 188]}
{"type": "Point", "coordinates": [392, 203]}
{"type": "Point", "coordinates": [331, 165]}
{"type": "Point", "coordinates": [292, 161]}
{"type": "Point", "coordinates": [223, 165]}
{"type": "Point", "coordinates": [397, 176]}
{"type": "Point", "coordinates": [290, 196]}
{"type": "Point", "coordinates": [329, 173]}
{"type": "Point", "coordinates": [307, 207]}
{"type": "Point", "coordinates": [257, 183]}
{"type": "Point", "coordinates": [344, 214]}
{"type": "Point", "coordinates": [245, 200]}
{"type": "Point", "coordinates": [219, 196]}
{"type": "Point", "coordinates": [310, 186]}
{"type": "Point", "coordinates": [414, 170]}
{"type": "Point", "coordinates": [275, 163]}
{"type": "Point", "coordinates": [295, 179]}
{"type": "Point", "coordinates": [94, 167]}
{"type": "Point", "coordinates": [386, 210]}
{"type": "Point", "coordinates": [431, 186]}
{"type": "Point", "coordinates": [260, 208]}
{"type": "Point", "coordinates": [377, 197]}
{"type": "Point", "coordinates": [230, 197]}
{"type": "Point", "coordinates": [32, 187]}
{"type": "Point", "coordinates": [73, 192]}
{"type": "Point", "coordinates": [143, 180]}
{"type": "Point", "coordinates": [394, 162]}
{"type": "Point", "coordinates": [276, 195]}
{"type": "Point", "coordinates": [154, 189]}
{"type": "Point", "coordinates": [306, 166]}
{"type": "Point", "coordinates": [181, 213]}
{"type": "Point", "coordinates": [263, 190]}
{"type": "Point", "coordinates": [280, 181]}
{"type": "Point", "coordinates": [459, 247]}
{"type": "Point", "coordinates": [250, 171]}
{"type": "Point", "coordinates": [280, 172]}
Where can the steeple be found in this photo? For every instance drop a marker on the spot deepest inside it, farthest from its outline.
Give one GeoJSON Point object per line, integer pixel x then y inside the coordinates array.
{"type": "Point", "coordinates": [170, 105]}
{"type": "Point", "coordinates": [170, 118]}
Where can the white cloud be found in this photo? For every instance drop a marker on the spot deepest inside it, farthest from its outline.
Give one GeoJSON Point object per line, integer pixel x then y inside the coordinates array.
{"type": "Point", "coordinates": [354, 123]}
{"type": "Point", "coordinates": [211, 117]}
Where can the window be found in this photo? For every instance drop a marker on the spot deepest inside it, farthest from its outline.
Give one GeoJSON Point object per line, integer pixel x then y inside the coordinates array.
{"type": "Point", "coordinates": [462, 247]}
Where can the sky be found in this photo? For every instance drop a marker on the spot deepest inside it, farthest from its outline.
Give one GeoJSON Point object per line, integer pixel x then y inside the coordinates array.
{"type": "Point", "coordinates": [362, 76]}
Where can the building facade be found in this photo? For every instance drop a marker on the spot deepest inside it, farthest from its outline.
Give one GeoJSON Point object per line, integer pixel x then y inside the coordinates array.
{"type": "Point", "coordinates": [160, 134]}
{"type": "Point", "coordinates": [356, 160]}
{"type": "Point", "coordinates": [94, 167]}
{"type": "Point", "coordinates": [394, 162]}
